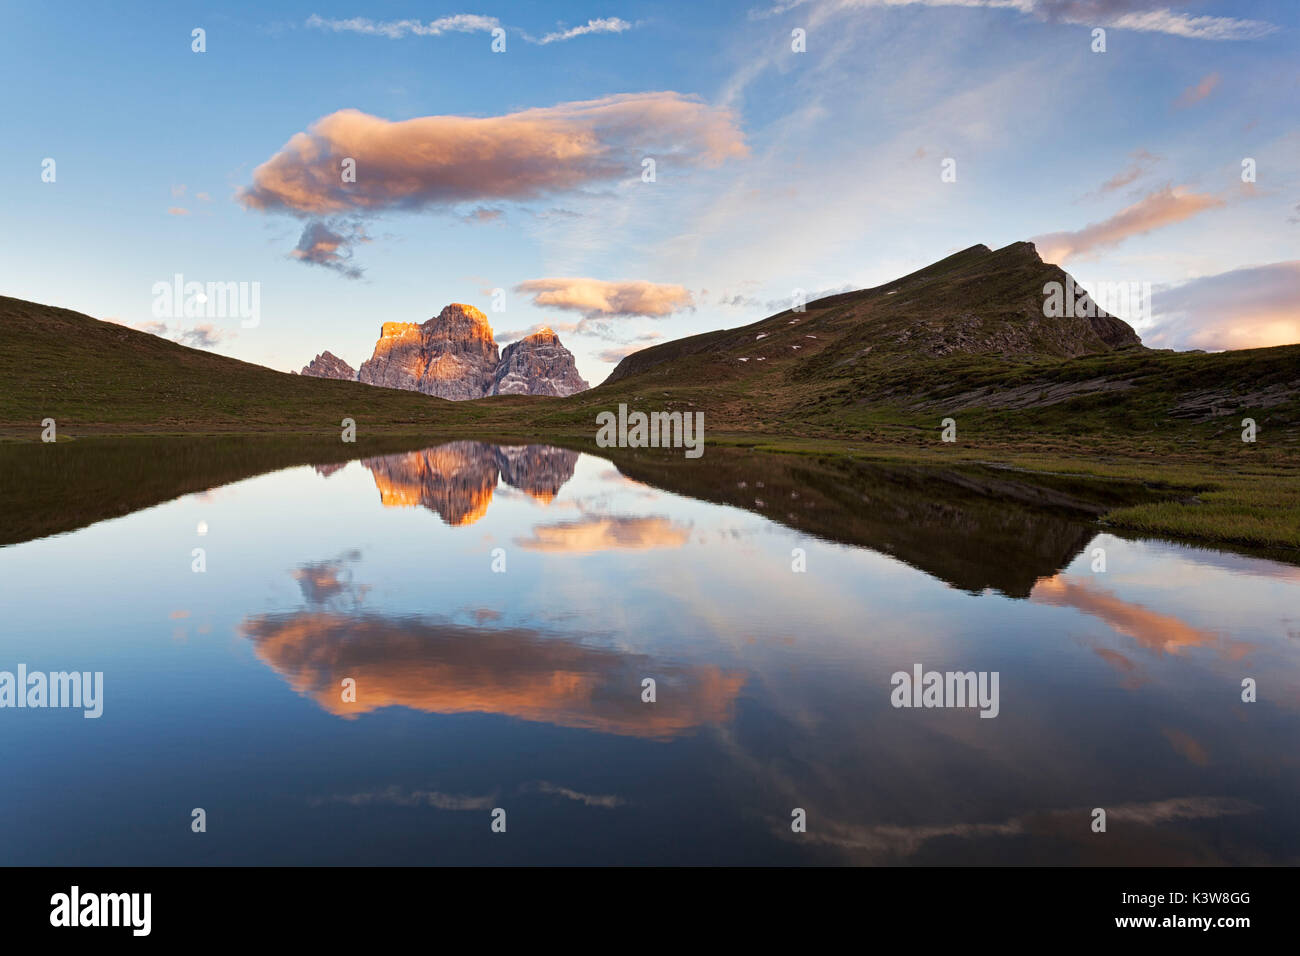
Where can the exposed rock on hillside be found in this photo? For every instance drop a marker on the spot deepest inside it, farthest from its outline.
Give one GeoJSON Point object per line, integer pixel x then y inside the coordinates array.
{"type": "Point", "coordinates": [537, 365]}
{"type": "Point", "coordinates": [329, 365]}
{"type": "Point", "coordinates": [454, 356]}
{"type": "Point", "coordinates": [451, 355]}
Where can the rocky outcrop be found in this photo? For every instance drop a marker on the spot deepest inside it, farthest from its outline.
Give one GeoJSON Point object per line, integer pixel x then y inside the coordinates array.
{"type": "Point", "coordinates": [452, 355]}
{"type": "Point", "coordinates": [329, 365]}
{"type": "Point", "coordinates": [537, 365]}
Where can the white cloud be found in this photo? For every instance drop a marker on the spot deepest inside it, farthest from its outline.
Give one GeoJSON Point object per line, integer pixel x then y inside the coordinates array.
{"type": "Point", "coordinates": [459, 23]}
{"type": "Point", "coordinates": [397, 29]}
{"type": "Point", "coordinates": [601, 25]}
{"type": "Point", "coordinates": [1147, 16]}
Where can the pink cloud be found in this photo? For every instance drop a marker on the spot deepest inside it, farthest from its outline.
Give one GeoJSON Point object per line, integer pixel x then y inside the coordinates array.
{"type": "Point", "coordinates": [441, 160]}
{"type": "Point", "coordinates": [1162, 208]}
{"type": "Point", "coordinates": [1142, 161]}
{"type": "Point", "coordinates": [1194, 94]}
{"type": "Point", "coordinates": [597, 297]}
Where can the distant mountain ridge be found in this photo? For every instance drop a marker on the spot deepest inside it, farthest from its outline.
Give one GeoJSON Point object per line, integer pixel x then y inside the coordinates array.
{"type": "Point", "coordinates": [454, 356]}
{"type": "Point", "coordinates": [975, 302]}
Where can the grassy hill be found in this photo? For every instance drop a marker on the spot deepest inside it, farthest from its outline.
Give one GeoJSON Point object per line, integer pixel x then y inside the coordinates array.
{"type": "Point", "coordinates": [966, 337]}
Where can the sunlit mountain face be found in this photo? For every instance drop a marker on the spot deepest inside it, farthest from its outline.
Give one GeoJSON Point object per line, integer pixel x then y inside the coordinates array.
{"type": "Point", "coordinates": [641, 659]}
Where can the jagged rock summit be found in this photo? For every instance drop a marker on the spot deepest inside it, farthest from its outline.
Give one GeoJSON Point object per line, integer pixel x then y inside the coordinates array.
{"type": "Point", "coordinates": [454, 355]}
{"type": "Point", "coordinates": [329, 365]}
{"type": "Point", "coordinates": [537, 365]}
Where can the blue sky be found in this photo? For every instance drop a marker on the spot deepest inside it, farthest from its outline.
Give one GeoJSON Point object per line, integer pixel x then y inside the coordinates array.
{"type": "Point", "coordinates": [775, 170]}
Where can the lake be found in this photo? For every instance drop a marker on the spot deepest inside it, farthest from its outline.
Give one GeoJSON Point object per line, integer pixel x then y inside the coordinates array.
{"type": "Point", "coordinates": [391, 659]}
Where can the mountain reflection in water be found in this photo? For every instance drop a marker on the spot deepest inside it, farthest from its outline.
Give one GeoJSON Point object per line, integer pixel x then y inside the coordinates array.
{"type": "Point", "coordinates": [499, 611]}
{"type": "Point", "coordinates": [457, 480]}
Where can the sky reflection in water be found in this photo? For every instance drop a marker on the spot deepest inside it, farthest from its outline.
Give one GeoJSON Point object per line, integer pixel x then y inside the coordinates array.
{"type": "Point", "coordinates": [522, 689]}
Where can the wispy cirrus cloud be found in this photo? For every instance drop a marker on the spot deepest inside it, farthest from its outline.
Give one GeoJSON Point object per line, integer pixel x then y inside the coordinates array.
{"type": "Point", "coordinates": [1141, 163]}
{"type": "Point", "coordinates": [395, 796]}
{"type": "Point", "coordinates": [599, 25]}
{"type": "Point", "coordinates": [459, 23]}
{"type": "Point", "coordinates": [1162, 208]}
{"type": "Point", "coordinates": [1146, 16]}
{"type": "Point", "coordinates": [397, 29]}
{"type": "Point", "coordinates": [607, 801]}
{"type": "Point", "coordinates": [596, 298]}
{"type": "Point", "coordinates": [885, 842]}
{"type": "Point", "coordinates": [1198, 91]}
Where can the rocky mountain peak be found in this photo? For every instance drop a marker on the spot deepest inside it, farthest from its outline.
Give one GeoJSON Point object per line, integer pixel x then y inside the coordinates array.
{"type": "Point", "coordinates": [459, 322]}
{"type": "Point", "coordinates": [537, 365]}
{"type": "Point", "coordinates": [454, 355]}
{"type": "Point", "coordinates": [329, 365]}
{"type": "Point", "coordinates": [543, 336]}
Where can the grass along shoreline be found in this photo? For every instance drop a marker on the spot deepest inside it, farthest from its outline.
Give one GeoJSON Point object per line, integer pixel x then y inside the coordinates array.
{"type": "Point", "coordinates": [1244, 500]}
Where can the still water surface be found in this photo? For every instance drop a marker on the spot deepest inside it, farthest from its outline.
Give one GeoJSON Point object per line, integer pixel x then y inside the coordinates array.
{"type": "Point", "coordinates": [521, 689]}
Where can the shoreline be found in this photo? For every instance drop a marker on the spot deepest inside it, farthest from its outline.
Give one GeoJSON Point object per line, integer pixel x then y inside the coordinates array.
{"type": "Point", "coordinates": [1250, 503]}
